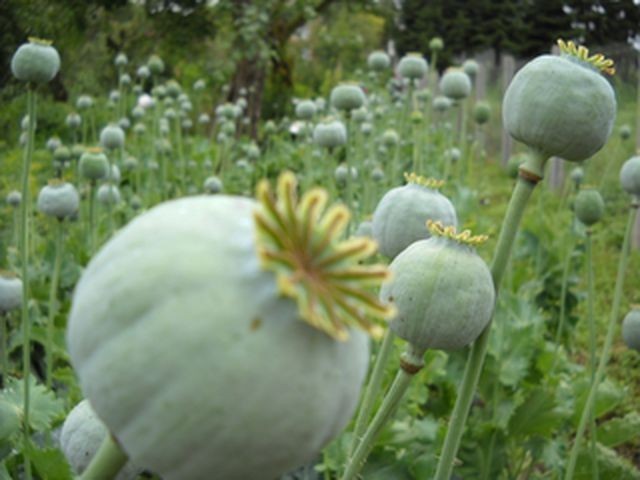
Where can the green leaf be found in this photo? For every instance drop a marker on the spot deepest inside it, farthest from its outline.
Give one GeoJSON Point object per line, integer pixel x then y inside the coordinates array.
{"type": "Point", "coordinates": [50, 464]}
{"type": "Point", "coordinates": [610, 465]}
{"type": "Point", "coordinates": [608, 397]}
{"type": "Point", "coordinates": [538, 415]}
{"type": "Point", "coordinates": [619, 430]}
{"type": "Point", "coordinates": [4, 473]}
{"type": "Point", "coordinates": [45, 407]}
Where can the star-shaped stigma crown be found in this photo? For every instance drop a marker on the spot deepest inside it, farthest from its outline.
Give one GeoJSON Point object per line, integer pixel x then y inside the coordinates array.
{"type": "Point", "coordinates": [597, 61]}
{"type": "Point", "coordinates": [300, 241]}
{"type": "Point", "coordinates": [439, 230]}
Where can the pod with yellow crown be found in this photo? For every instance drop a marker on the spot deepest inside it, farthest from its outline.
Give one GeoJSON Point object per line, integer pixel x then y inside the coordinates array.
{"type": "Point", "coordinates": [442, 290]}
{"type": "Point", "coordinates": [562, 105]}
{"type": "Point", "coordinates": [219, 335]}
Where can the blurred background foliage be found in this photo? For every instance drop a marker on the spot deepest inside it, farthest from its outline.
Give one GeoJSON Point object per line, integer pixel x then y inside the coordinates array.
{"type": "Point", "coordinates": [277, 49]}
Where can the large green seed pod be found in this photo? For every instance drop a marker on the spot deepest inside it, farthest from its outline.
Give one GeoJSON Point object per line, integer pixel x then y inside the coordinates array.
{"type": "Point", "coordinates": [436, 44]}
{"type": "Point", "coordinates": [589, 206]}
{"type": "Point", "coordinates": [560, 105]}
{"type": "Point", "coordinates": [112, 137]}
{"type": "Point", "coordinates": [306, 109]}
{"type": "Point", "coordinates": [631, 329]}
{"type": "Point", "coordinates": [630, 176]}
{"type": "Point", "coordinates": [455, 84]}
{"type": "Point", "coordinates": [441, 103]}
{"type": "Point", "coordinates": [58, 199]}
{"type": "Point", "coordinates": [378, 61]}
{"type": "Point", "coordinates": [442, 289]}
{"type": "Point", "coordinates": [14, 198]}
{"type": "Point", "coordinates": [108, 194]}
{"type": "Point", "coordinates": [10, 291]}
{"type": "Point", "coordinates": [400, 216]}
{"type": "Point", "coordinates": [347, 96]}
{"type": "Point", "coordinates": [94, 164]}
{"type": "Point", "coordinates": [470, 67]}
{"type": "Point", "coordinates": [413, 66]}
{"type": "Point", "coordinates": [36, 61]}
{"type": "Point", "coordinates": [227, 345]}
{"type": "Point", "coordinates": [84, 102]}
{"type": "Point", "coordinates": [81, 436]}
{"type": "Point", "coordinates": [330, 133]}
{"type": "Point", "coordinates": [213, 185]}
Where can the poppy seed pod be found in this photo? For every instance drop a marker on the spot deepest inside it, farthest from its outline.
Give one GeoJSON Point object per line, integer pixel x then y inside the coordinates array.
{"type": "Point", "coordinates": [155, 64]}
{"type": "Point", "coordinates": [81, 435]}
{"type": "Point", "coordinates": [347, 96]}
{"type": "Point", "coordinates": [305, 109]}
{"type": "Point", "coordinates": [199, 85]}
{"type": "Point", "coordinates": [442, 290]}
{"type": "Point", "coordinates": [108, 194]}
{"type": "Point", "coordinates": [36, 61]}
{"type": "Point", "coordinates": [625, 131]}
{"type": "Point", "coordinates": [413, 66]}
{"type": "Point", "coordinates": [58, 199]}
{"type": "Point", "coordinates": [577, 175]}
{"type": "Point", "coordinates": [112, 137]}
{"type": "Point", "coordinates": [213, 185]}
{"type": "Point", "coordinates": [481, 112]}
{"type": "Point", "coordinates": [10, 291]}
{"type": "Point", "coordinates": [283, 373]}
{"type": "Point", "coordinates": [143, 72]}
{"type": "Point", "coordinates": [378, 61]}
{"type": "Point", "coordinates": [400, 217]}
{"type": "Point", "coordinates": [14, 198]}
{"type": "Point", "coordinates": [470, 67]}
{"type": "Point", "coordinates": [94, 164]}
{"type": "Point", "coordinates": [441, 103]}
{"type": "Point", "coordinates": [121, 60]}
{"type": "Point", "coordinates": [630, 176]}
{"type": "Point", "coordinates": [455, 84]}
{"type": "Point", "coordinates": [561, 105]}
{"type": "Point", "coordinates": [84, 102]}
{"type": "Point", "coordinates": [631, 328]}
{"type": "Point", "coordinates": [330, 134]}
{"type": "Point", "coordinates": [589, 206]}
{"type": "Point", "coordinates": [436, 44]}
{"type": "Point", "coordinates": [390, 138]}
{"type": "Point", "coordinates": [341, 173]}
{"type": "Point", "coordinates": [73, 120]}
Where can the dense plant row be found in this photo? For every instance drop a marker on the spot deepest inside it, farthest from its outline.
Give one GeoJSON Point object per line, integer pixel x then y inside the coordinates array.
{"type": "Point", "coordinates": [166, 312]}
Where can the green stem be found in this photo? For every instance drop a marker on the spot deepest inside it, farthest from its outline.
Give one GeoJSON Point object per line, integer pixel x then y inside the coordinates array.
{"type": "Point", "coordinates": [92, 215]}
{"type": "Point", "coordinates": [373, 387]}
{"type": "Point", "coordinates": [107, 462]}
{"type": "Point", "coordinates": [606, 349]}
{"type": "Point", "coordinates": [563, 304]}
{"type": "Point", "coordinates": [4, 345]}
{"type": "Point", "coordinates": [24, 261]}
{"type": "Point", "coordinates": [412, 363]}
{"type": "Point", "coordinates": [349, 183]}
{"type": "Point", "coordinates": [592, 350]}
{"type": "Point", "coordinates": [55, 275]}
{"type": "Point", "coordinates": [530, 173]}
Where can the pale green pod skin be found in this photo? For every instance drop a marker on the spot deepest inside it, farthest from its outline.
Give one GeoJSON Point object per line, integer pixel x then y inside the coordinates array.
{"type": "Point", "coordinates": [625, 132]}
{"type": "Point", "coordinates": [62, 154]}
{"type": "Point", "coordinates": [413, 66]}
{"type": "Point", "coordinates": [631, 329]}
{"type": "Point", "coordinates": [35, 62]}
{"type": "Point", "coordinates": [10, 293]}
{"type": "Point", "coordinates": [589, 206]}
{"type": "Point", "coordinates": [470, 67]}
{"type": "Point", "coordinates": [330, 134]}
{"type": "Point", "coordinates": [195, 361]}
{"type": "Point", "coordinates": [365, 229]}
{"type": "Point", "coordinates": [81, 436]}
{"type": "Point", "coordinates": [341, 173]}
{"type": "Point", "coordinates": [108, 194]}
{"type": "Point", "coordinates": [481, 112]}
{"type": "Point", "coordinates": [59, 200]}
{"type": "Point", "coordinates": [306, 109]}
{"type": "Point", "coordinates": [213, 185]}
{"type": "Point", "coordinates": [112, 137]}
{"type": "Point", "coordinates": [455, 84]}
{"type": "Point", "coordinates": [401, 215]}
{"type": "Point", "coordinates": [436, 44]}
{"type": "Point", "coordinates": [14, 198]}
{"type": "Point", "coordinates": [73, 120]}
{"type": "Point", "coordinates": [443, 293]}
{"type": "Point", "coordinates": [347, 97]}
{"type": "Point", "coordinates": [560, 107]}
{"type": "Point", "coordinates": [84, 102]}
{"type": "Point", "coordinates": [155, 65]}
{"type": "Point", "coordinates": [390, 138]}
{"type": "Point", "coordinates": [630, 176]}
{"type": "Point", "coordinates": [577, 174]}
{"type": "Point", "coordinates": [143, 72]}
{"type": "Point", "coordinates": [378, 61]}
{"type": "Point", "coordinates": [94, 166]}
{"type": "Point", "coordinates": [441, 104]}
